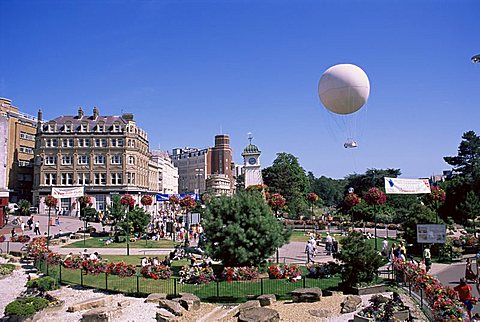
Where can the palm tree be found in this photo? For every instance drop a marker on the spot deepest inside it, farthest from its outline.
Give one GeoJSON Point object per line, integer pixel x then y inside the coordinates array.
{"type": "Point", "coordinates": [24, 207]}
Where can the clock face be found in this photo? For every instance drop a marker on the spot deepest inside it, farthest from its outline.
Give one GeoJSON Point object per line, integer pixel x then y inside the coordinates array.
{"type": "Point", "coordinates": [252, 161]}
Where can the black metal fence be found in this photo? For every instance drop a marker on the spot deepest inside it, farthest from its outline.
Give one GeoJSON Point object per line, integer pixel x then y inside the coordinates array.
{"type": "Point", "coordinates": [216, 291]}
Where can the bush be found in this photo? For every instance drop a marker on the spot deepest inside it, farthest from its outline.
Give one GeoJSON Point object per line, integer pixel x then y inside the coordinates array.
{"type": "Point", "coordinates": [26, 307]}
{"type": "Point", "coordinates": [6, 269]}
{"type": "Point", "coordinates": [43, 284]}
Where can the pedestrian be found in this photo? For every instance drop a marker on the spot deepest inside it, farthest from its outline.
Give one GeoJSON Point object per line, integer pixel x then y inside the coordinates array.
{"type": "Point", "coordinates": [30, 222]}
{"type": "Point", "coordinates": [37, 228]}
{"type": "Point", "coordinates": [13, 231]}
{"type": "Point", "coordinates": [310, 251]}
{"type": "Point", "coordinates": [328, 243]}
{"type": "Point", "coordinates": [469, 274]}
{"type": "Point", "coordinates": [22, 227]}
{"type": "Point", "coordinates": [57, 220]}
{"type": "Point", "coordinates": [385, 247]}
{"type": "Point", "coordinates": [50, 222]}
{"type": "Point", "coordinates": [334, 245]}
{"type": "Point", "coordinates": [464, 294]}
{"type": "Point", "coordinates": [427, 258]}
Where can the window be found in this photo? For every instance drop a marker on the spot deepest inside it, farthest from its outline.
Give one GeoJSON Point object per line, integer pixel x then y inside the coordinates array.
{"type": "Point", "coordinates": [131, 160]}
{"type": "Point", "coordinates": [26, 149]}
{"type": "Point", "coordinates": [100, 202]}
{"type": "Point", "coordinates": [50, 179]}
{"type": "Point", "coordinates": [83, 127]}
{"type": "Point", "coordinates": [101, 143]}
{"type": "Point", "coordinates": [27, 136]}
{"type": "Point", "coordinates": [67, 179]}
{"type": "Point", "coordinates": [130, 178]}
{"type": "Point", "coordinates": [51, 143]}
{"type": "Point", "coordinates": [116, 128]}
{"type": "Point", "coordinates": [83, 142]}
{"type": "Point", "coordinates": [116, 178]}
{"type": "Point", "coordinates": [67, 160]}
{"type": "Point", "coordinates": [99, 159]}
{"type": "Point", "coordinates": [67, 143]}
{"type": "Point", "coordinates": [83, 159]}
{"type": "Point", "coordinates": [50, 160]}
{"type": "Point", "coordinates": [51, 128]}
{"type": "Point", "coordinates": [83, 178]}
{"type": "Point", "coordinates": [116, 159]}
{"type": "Point", "coordinates": [68, 127]}
{"type": "Point", "coordinates": [100, 178]}
{"type": "Point", "coordinates": [117, 142]}
{"type": "Point", "coordinates": [100, 128]}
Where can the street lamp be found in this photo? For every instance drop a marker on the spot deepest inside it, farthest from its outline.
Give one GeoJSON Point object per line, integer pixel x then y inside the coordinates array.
{"type": "Point", "coordinates": [128, 231]}
{"type": "Point", "coordinates": [198, 174]}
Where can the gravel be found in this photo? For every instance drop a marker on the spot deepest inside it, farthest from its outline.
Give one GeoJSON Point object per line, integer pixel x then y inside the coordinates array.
{"type": "Point", "coordinates": [11, 287]}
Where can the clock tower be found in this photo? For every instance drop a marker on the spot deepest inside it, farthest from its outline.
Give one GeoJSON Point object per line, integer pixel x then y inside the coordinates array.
{"type": "Point", "coordinates": [251, 163]}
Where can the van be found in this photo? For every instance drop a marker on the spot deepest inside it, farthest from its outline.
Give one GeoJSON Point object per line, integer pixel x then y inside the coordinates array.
{"type": "Point", "coordinates": [13, 208]}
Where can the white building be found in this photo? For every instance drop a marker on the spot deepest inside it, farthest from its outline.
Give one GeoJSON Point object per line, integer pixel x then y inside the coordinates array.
{"type": "Point", "coordinates": [167, 172]}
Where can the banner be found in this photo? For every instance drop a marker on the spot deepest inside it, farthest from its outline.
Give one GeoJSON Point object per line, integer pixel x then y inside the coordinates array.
{"type": "Point", "coordinates": [166, 197]}
{"type": "Point", "coordinates": [406, 186]}
{"type": "Point", "coordinates": [67, 192]}
{"type": "Point", "coordinates": [431, 234]}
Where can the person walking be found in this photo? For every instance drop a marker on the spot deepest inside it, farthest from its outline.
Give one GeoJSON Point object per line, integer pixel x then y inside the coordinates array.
{"type": "Point", "coordinates": [385, 247]}
{"type": "Point", "coordinates": [310, 251]}
{"type": "Point", "coordinates": [427, 258]}
{"type": "Point", "coordinates": [22, 227]}
{"type": "Point", "coordinates": [57, 220]}
{"type": "Point", "coordinates": [30, 223]}
{"type": "Point", "coordinates": [37, 228]}
{"type": "Point", "coordinates": [464, 294]}
{"type": "Point", "coordinates": [328, 243]}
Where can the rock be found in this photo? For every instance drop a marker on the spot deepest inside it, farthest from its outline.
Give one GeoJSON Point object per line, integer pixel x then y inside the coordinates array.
{"type": "Point", "coordinates": [351, 304]}
{"type": "Point", "coordinates": [320, 313]}
{"type": "Point", "coordinates": [266, 299]}
{"type": "Point", "coordinates": [100, 314]}
{"type": "Point", "coordinates": [188, 301]}
{"type": "Point", "coordinates": [313, 294]}
{"type": "Point", "coordinates": [173, 307]}
{"type": "Point", "coordinates": [155, 297]}
{"type": "Point", "coordinates": [331, 293]}
{"type": "Point", "coordinates": [165, 316]}
{"type": "Point", "coordinates": [91, 303]}
{"type": "Point", "coordinates": [248, 305]}
{"type": "Point", "coordinates": [123, 303]}
{"type": "Point", "coordinates": [259, 314]}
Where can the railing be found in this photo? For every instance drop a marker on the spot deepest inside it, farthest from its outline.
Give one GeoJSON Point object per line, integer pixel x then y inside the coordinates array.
{"type": "Point", "coordinates": [216, 291]}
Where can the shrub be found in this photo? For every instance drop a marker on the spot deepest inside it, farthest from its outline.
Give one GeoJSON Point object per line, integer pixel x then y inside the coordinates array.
{"type": "Point", "coordinates": [290, 272]}
{"type": "Point", "coordinates": [26, 307]}
{"type": "Point", "coordinates": [6, 269]}
{"type": "Point", "coordinates": [43, 284]}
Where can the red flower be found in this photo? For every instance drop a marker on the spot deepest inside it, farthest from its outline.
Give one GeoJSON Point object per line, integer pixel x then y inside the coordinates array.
{"type": "Point", "coordinates": [351, 200]}
{"type": "Point", "coordinates": [312, 197]}
{"type": "Point", "coordinates": [436, 194]}
{"type": "Point", "coordinates": [173, 199]}
{"type": "Point", "coordinates": [276, 201]}
{"type": "Point", "coordinates": [146, 200]}
{"type": "Point", "coordinates": [375, 196]}
{"type": "Point", "coordinates": [50, 201]}
{"type": "Point", "coordinates": [127, 200]}
{"type": "Point", "coordinates": [188, 203]}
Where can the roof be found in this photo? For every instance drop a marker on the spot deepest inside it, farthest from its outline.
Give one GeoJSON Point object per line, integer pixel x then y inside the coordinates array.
{"type": "Point", "coordinates": [75, 120]}
{"type": "Point", "coordinates": [251, 148]}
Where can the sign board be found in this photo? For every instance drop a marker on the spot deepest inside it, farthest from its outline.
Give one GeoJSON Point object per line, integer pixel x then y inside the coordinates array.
{"type": "Point", "coordinates": [166, 197]}
{"type": "Point", "coordinates": [431, 234]}
{"type": "Point", "coordinates": [406, 186]}
{"type": "Point", "coordinates": [67, 192]}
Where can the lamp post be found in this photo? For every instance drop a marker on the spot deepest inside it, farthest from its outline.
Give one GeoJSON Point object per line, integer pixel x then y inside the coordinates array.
{"type": "Point", "coordinates": [198, 174]}
{"type": "Point", "coordinates": [128, 231]}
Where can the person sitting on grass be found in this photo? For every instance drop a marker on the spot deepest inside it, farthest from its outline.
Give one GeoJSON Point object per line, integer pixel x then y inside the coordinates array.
{"type": "Point", "coordinates": [145, 261]}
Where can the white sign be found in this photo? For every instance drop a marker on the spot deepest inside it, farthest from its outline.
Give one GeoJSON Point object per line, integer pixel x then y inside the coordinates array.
{"type": "Point", "coordinates": [406, 186]}
{"type": "Point", "coordinates": [431, 234]}
{"type": "Point", "coordinates": [67, 192]}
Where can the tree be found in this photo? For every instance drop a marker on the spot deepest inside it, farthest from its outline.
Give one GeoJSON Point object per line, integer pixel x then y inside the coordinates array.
{"type": "Point", "coordinates": [360, 262]}
{"type": "Point", "coordinates": [471, 208]}
{"type": "Point", "coordinates": [138, 220]}
{"type": "Point", "coordinates": [330, 191]}
{"type": "Point", "coordinates": [466, 163]}
{"type": "Point", "coordinates": [241, 230]}
{"type": "Point", "coordinates": [116, 211]}
{"type": "Point", "coordinates": [435, 198]}
{"type": "Point", "coordinates": [240, 182]}
{"type": "Point", "coordinates": [24, 207]}
{"type": "Point", "coordinates": [418, 214]}
{"type": "Point", "coordinates": [288, 178]}
{"type": "Point", "coordinates": [361, 183]}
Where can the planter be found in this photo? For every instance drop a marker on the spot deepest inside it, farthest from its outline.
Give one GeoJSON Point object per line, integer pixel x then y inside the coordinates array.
{"type": "Point", "coordinates": [373, 289]}
{"type": "Point", "coordinates": [400, 316]}
{"type": "Point", "coordinates": [358, 318]}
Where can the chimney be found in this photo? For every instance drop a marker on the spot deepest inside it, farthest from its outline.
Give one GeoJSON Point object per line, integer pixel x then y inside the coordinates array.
{"type": "Point", "coordinates": [95, 112]}
{"type": "Point", "coordinates": [39, 115]}
{"type": "Point", "coordinates": [80, 113]}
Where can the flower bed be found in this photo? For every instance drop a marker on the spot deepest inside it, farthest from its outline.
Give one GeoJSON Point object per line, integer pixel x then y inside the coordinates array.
{"type": "Point", "coordinates": [196, 275]}
{"type": "Point", "coordinates": [442, 299]}
{"type": "Point", "coordinates": [384, 309]}
{"type": "Point", "coordinates": [120, 269]}
{"type": "Point", "coordinates": [290, 272]}
{"type": "Point", "coordinates": [20, 239]}
{"type": "Point", "coordinates": [156, 272]}
{"type": "Point", "coordinates": [239, 273]}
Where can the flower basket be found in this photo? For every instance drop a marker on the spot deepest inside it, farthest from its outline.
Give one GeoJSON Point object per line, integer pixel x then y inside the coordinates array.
{"type": "Point", "coordinates": [127, 200]}
{"type": "Point", "coordinates": [146, 200]}
{"type": "Point", "coordinates": [50, 201]}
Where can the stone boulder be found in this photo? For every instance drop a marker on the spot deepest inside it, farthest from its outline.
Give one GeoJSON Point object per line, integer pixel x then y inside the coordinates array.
{"type": "Point", "coordinates": [91, 304]}
{"type": "Point", "coordinates": [188, 301]}
{"type": "Point", "coordinates": [313, 294]}
{"type": "Point", "coordinates": [351, 304]}
{"type": "Point", "coordinates": [101, 314]}
{"type": "Point", "coordinates": [266, 299]}
{"type": "Point", "coordinates": [155, 297]}
{"type": "Point", "coordinates": [248, 305]}
{"type": "Point", "coordinates": [320, 313]}
{"type": "Point", "coordinates": [171, 306]}
{"type": "Point", "coordinates": [259, 314]}
{"type": "Point", "coordinates": [165, 316]}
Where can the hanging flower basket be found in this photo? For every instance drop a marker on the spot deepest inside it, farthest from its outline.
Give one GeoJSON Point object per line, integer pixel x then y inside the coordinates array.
{"type": "Point", "coordinates": [127, 200]}
{"type": "Point", "coordinates": [174, 200]}
{"type": "Point", "coordinates": [146, 200]}
{"type": "Point", "coordinates": [375, 197]}
{"type": "Point", "coordinates": [312, 197]}
{"type": "Point", "coordinates": [50, 201]}
{"type": "Point", "coordinates": [188, 203]}
{"type": "Point", "coordinates": [351, 200]}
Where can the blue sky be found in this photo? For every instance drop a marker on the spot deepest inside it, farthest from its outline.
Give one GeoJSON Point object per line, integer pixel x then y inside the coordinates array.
{"type": "Point", "coordinates": [189, 70]}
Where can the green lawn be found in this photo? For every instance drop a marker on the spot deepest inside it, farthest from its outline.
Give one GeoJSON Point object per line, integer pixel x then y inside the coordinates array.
{"type": "Point", "coordinates": [98, 242]}
{"type": "Point", "coordinates": [222, 291]}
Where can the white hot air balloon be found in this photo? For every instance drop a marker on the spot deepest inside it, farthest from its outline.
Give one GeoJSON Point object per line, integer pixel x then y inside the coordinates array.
{"type": "Point", "coordinates": [343, 89]}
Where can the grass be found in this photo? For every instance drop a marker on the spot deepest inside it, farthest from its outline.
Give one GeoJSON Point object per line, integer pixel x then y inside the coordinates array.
{"type": "Point", "coordinates": [222, 291]}
{"type": "Point", "coordinates": [98, 242]}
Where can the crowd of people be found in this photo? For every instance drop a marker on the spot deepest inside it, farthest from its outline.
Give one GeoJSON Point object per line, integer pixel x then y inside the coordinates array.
{"type": "Point", "coordinates": [331, 246]}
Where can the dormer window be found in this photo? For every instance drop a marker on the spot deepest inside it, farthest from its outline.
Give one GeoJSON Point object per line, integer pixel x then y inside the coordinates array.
{"type": "Point", "coordinates": [68, 127]}
{"type": "Point", "coordinates": [116, 128]}
{"type": "Point", "coordinates": [100, 128]}
{"type": "Point", "coordinates": [51, 127]}
{"type": "Point", "coordinates": [83, 127]}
